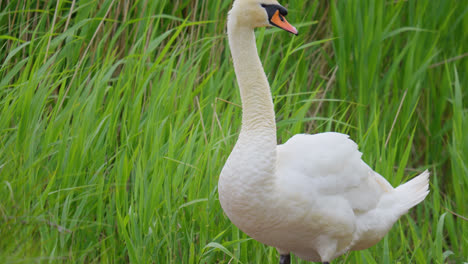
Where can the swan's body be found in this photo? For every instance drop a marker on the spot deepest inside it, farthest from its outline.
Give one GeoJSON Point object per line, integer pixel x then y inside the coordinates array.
{"type": "Point", "coordinates": [312, 196]}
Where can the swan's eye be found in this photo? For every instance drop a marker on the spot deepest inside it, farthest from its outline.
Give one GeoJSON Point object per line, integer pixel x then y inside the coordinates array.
{"type": "Point", "coordinates": [271, 9]}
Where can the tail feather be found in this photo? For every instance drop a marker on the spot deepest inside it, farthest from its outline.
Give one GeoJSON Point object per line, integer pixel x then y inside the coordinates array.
{"type": "Point", "coordinates": [373, 225]}
{"type": "Point", "coordinates": [413, 192]}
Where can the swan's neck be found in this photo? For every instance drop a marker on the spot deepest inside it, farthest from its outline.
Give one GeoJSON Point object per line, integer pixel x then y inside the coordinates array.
{"type": "Point", "coordinates": [247, 182]}
{"type": "Point", "coordinates": [258, 114]}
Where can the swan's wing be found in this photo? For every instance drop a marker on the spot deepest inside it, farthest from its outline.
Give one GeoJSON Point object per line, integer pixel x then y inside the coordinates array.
{"type": "Point", "coordinates": [329, 165]}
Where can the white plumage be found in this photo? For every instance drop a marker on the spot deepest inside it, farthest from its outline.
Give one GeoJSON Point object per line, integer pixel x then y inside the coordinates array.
{"type": "Point", "coordinates": [312, 196]}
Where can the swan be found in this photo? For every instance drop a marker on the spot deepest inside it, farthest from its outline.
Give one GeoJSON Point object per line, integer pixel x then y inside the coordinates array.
{"type": "Point", "coordinates": [313, 196]}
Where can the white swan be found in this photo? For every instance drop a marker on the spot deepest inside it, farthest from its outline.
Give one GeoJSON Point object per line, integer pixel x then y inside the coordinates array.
{"type": "Point", "coordinates": [312, 196]}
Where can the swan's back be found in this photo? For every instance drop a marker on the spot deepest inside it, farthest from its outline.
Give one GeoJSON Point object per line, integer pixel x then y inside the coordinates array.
{"type": "Point", "coordinates": [329, 164]}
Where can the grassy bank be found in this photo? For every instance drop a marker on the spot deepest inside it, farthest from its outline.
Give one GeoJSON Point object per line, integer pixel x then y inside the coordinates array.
{"type": "Point", "coordinates": [116, 118]}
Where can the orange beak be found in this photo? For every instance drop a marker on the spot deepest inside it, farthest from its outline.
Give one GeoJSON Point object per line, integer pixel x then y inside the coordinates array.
{"type": "Point", "coordinates": [279, 21]}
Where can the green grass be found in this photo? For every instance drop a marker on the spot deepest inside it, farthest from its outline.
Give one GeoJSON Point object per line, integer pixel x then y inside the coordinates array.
{"type": "Point", "coordinates": [116, 118]}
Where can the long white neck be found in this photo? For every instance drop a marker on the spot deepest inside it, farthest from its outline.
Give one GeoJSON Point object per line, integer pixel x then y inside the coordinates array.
{"type": "Point", "coordinates": [247, 181]}
{"type": "Point", "coordinates": [258, 114]}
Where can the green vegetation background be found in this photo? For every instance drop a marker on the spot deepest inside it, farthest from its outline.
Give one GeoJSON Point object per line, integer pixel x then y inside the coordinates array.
{"type": "Point", "coordinates": [116, 118]}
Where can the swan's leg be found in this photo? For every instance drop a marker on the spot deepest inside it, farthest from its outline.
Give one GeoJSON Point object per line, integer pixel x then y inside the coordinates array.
{"type": "Point", "coordinates": [285, 259]}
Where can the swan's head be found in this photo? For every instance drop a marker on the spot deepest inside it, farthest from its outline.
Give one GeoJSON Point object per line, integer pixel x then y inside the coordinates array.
{"type": "Point", "coordinates": [260, 13]}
